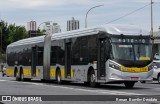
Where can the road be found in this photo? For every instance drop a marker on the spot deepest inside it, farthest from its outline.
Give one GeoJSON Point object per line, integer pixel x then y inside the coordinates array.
{"type": "Point", "coordinates": [8, 86]}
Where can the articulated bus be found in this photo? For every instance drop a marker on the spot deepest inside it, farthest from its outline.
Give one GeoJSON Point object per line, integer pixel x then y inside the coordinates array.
{"type": "Point", "coordinates": [103, 54]}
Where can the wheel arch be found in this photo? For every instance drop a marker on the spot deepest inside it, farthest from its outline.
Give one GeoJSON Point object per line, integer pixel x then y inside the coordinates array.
{"type": "Point", "coordinates": [57, 69]}
{"type": "Point", "coordinates": [15, 71]}
{"type": "Point", "coordinates": [158, 75]}
{"type": "Point", "coordinates": [89, 71]}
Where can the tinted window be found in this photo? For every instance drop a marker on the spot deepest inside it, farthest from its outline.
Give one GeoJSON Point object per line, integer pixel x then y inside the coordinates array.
{"type": "Point", "coordinates": [92, 48]}
{"type": "Point", "coordinates": [84, 50]}
{"type": "Point", "coordinates": [76, 50]}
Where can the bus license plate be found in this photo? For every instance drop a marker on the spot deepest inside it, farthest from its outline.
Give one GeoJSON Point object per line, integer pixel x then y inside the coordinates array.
{"type": "Point", "coordinates": [134, 78]}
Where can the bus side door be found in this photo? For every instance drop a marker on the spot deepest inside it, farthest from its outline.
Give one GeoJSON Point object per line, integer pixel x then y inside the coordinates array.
{"type": "Point", "coordinates": [101, 71]}
{"type": "Point", "coordinates": [34, 61]}
{"type": "Point", "coordinates": [68, 58]}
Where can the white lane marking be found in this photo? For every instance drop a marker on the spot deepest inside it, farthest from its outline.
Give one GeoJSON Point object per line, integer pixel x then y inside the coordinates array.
{"type": "Point", "coordinates": [78, 89]}
{"type": "Point", "coordinates": [2, 80]}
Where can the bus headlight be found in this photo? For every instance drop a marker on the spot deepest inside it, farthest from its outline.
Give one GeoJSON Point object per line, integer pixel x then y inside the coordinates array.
{"type": "Point", "coordinates": [114, 66]}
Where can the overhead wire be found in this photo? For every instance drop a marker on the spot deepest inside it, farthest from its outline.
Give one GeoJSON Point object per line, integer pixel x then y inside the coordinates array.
{"type": "Point", "coordinates": [128, 14]}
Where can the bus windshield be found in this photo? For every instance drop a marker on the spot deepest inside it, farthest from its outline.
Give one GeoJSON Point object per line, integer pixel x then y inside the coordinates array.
{"type": "Point", "coordinates": [131, 49]}
{"type": "Point", "coordinates": [131, 52]}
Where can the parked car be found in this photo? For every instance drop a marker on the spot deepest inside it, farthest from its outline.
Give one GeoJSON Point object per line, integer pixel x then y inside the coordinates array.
{"type": "Point", "coordinates": [157, 56]}
{"type": "Point", "coordinates": [156, 70]}
{"type": "Point", "coordinates": [3, 71]}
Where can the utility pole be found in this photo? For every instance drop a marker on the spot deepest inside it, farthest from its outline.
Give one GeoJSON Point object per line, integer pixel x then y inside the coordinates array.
{"type": "Point", "coordinates": [151, 18]}
{"type": "Point", "coordinates": [1, 38]}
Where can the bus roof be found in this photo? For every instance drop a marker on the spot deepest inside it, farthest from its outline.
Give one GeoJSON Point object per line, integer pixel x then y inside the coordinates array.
{"type": "Point", "coordinates": [115, 29]}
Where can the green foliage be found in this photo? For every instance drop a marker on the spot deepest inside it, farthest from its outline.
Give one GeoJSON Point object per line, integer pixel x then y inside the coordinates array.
{"type": "Point", "coordinates": [16, 33]}
{"type": "Point", "coordinates": [2, 58]}
{"type": "Point", "coordinates": [41, 32]}
{"type": "Point", "coordinates": [3, 35]}
{"type": "Point", "coordinates": [11, 33]}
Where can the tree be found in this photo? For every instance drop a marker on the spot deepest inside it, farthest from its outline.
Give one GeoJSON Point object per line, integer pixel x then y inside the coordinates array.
{"type": "Point", "coordinates": [4, 35]}
{"type": "Point", "coordinates": [11, 33]}
{"type": "Point", "coordinates": [16, 33]}
{"type": "Point", "coordinates": [41, 32]}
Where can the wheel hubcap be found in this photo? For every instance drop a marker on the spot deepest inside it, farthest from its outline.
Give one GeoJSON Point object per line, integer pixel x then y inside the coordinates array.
{"type": "Point", "coordinates": [22, 76]}
{"type": "Point", "coordinates": [93, 78]}
{"type": "Point", "coordinates": [17, 74]}
{"type": "Point", "coordinates": [59, 78]}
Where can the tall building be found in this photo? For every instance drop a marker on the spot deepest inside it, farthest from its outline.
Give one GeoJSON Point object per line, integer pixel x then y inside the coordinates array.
{"type": "Point", "coordinates": [52, 28]}
{"type": "Point", "coordinates": [56, 28]}
{"type": "Point", "coordinates": [72, 24]}
{"type": "Point", "coordinates": [32, 28]}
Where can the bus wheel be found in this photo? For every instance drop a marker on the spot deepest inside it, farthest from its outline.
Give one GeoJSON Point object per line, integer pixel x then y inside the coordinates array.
{"type": "Point", "coordinates": [86, 83]}
{"type": "Point", "coordinates": [92, 77]}
{"type": "Point", "coordinates": [2, 74]}
{"type": "Point", "coordinates": [58, 77]}
{"type": "Point", "coordinates": [143, 81]}
{"type": "Point", "coordinates": [17, 76]}
{"type": "Point", "coordinates": [158, 78]}
{"type": "Point", "coordinates": [129, 84]}
{"type": "Point", "coordinates": [22, 76]}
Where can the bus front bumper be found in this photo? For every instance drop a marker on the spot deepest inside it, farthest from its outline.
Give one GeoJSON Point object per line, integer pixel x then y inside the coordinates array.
{"type": "Point", "coordinates": [126, 76]}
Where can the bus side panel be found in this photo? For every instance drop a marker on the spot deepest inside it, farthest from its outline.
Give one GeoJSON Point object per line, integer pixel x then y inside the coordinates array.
{"type": "Point", "coordinates": [53, 72]}
{"type": "Point", "coordinates": [27, 71]}
{"type": "Point", "coordinates": [79, 72]}
{"type": "Point", "coordinates": [10, 71]}
{"type": "Point", "coordinates": [39, 72]}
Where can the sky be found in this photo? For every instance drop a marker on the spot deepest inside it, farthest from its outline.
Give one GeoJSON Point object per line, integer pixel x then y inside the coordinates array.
{"type": "Point", "coordinates": [59, 11]}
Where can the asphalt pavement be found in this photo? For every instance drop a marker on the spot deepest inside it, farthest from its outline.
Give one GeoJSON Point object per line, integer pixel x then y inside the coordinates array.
{"type": "Point", "coordinates": [117, 93]}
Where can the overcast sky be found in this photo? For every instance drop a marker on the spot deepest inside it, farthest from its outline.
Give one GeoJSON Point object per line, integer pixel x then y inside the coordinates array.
{"type": "Point", "coordinates": [59, 11]}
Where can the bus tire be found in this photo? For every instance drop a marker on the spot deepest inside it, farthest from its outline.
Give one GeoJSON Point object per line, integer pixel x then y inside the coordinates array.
{"type": "Point", "coordinates": [27, 79]}
{"type": "Point", "coordinates": [2, 74]}
{"type": "Point", "coordinates": [58, 77]}
{"type": "Point", "coordinates": [143, 81]}
{"type": "Point", "coordinates": [129, 84]}
{"type": "Point", "coordinates": [92, 80]}
{"type": "Point", "coordinates": [17, 76]}
{"type": "Point", "coordinates": [22, 75]}
{"type": "Point", "coordinates": [158, 78]}
{"type": "Point", "coordinates": [86, 83]}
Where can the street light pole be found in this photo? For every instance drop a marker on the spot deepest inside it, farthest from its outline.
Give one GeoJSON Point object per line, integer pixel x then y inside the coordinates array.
{"type": "Point", "coordinates": [151, 18]}
{"type": "Point", "coordinates": [88, 12]}
{"type": "Point", "coordinates": [1, 39]}
{"type": "Point", "coordinates": [41, 24]}
{"type": "Point", "coordinates": [1, 33]}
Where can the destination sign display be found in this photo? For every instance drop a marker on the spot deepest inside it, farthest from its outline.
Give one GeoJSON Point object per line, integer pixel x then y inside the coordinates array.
{"type": "Point", "coordinates": [130, 40]}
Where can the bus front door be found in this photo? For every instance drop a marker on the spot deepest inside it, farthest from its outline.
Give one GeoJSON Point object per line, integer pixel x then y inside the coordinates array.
{"type": "Point", "coordinates": [68, 60]}
{"type": "Point", "coordinates": [101, 58]}
{"type": "Point", "coordinates": [34, 61]}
